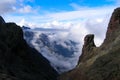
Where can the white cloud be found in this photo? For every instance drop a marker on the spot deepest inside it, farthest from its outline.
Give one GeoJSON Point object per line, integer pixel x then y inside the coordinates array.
{"type": "Point", "coordinates": [77, 32]}
{"type": "Point", "coordinates": [25, 9]}
{"type": "Point", "coordinates": [77, 7]}
{"type": "Point", "coordinates": [81, 14]}
{"type": "Point", "coordinates": [77, 16]}
{"type": "Point", "coordinates": [26, 0]}
{"type": "Point", "coordinates": [7, 1]}
{"type": "Point", "coordinates": [80, 22]}
{"type": "Point", "coordinates": [6, 6]}
{"type": "Point", "coordinates": [57, 60]}
{"type": "Point", "coordinates": [16, 6]}
{"type": "Point", "coordinates": [91, 19]}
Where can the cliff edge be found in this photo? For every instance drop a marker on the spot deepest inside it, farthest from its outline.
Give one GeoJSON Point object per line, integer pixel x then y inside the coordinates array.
{"type": "Point", "coordinates": [18, 61]}
{"type": "Point", "coordinates": [99, 63]}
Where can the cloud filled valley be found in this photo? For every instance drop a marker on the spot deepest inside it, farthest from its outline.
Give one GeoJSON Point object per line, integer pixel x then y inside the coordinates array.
{"type": "Point", "coordinates": [64, 28]}
{"type": "Point", "coordinates": [59, 40]}
{"type": "Point", "coordinates": [61, 43]}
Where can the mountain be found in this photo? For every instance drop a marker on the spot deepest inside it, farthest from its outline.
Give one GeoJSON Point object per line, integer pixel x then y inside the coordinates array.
{"type": "Point", "coordinates": [25, 28]}
{"type": "Point", "coordinates": [19, 61]}
{"type": "Point", "coordinates": [99, 63]}
{"type": "Point", "coordinates": [59, 51]}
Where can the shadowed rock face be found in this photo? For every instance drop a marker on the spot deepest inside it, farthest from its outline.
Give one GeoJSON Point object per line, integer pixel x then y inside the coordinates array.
{"type": "Point", "coordinates": [1, 20]}
{"type": "Point", "coordinates": [18, 61]}
{"type": "Point", "coordinates": [99, 63]}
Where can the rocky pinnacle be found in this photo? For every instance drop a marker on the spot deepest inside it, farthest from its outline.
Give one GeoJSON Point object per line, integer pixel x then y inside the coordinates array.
{"type": "Point", "coordinates": [87, 47]}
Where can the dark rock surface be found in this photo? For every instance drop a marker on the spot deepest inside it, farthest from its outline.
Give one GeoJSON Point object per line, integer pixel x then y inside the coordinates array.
{"type": "Point", "coordinates": [99, 63]}
{"type": "Point", "coordinates": [25, 28]}
{"type": "Point", "coordinates": [18, 61]}
{"type": "Point", "coordinates": [1, 20]}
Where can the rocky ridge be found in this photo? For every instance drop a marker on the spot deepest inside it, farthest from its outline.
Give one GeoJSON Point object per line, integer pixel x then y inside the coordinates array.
{"type": "Point", "coordinates": [18, 61]}
{"type": "Point", "coordinates": [99, 63]}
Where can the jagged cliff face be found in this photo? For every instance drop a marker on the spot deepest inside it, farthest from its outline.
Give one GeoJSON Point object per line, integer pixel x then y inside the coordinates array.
{"type": "Point", "coordinates": [99, 63]}
{"type": "Point", "coordinates": [18, 61]}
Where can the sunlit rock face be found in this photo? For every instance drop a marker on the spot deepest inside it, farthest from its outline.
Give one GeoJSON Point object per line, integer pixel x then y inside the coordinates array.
{"type": "Point", "coordinates": [99, 63]}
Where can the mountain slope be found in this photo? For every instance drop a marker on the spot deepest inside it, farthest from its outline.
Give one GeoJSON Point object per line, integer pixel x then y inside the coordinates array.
{"type": "Point", "coordinates": [18, 61]}
{"type": "Point", "coordinates": [99, 63]}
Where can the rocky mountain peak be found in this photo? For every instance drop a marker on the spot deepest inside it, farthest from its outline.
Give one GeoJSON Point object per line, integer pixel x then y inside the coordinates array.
{"type": "Point", "coordinates": [99, 63]}
{"type": "Point", "coordinates": [1, 20]}
{"type": "Point", "coordinates": [87, 47]}
{"type": "Point", "coordinates": [18, 61]}
{"type": "Point", "coordinates": [113, 26]}
{"type": "Point", "coordinates": [89, 40]}
{"type": "Point", "coordinates": [114, 21]}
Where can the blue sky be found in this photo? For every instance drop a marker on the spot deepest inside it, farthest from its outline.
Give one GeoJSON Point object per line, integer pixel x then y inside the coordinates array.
{"type": "Point", "coordinates": [64, 5]}
{"type": "Point", "coordinates": [37, 12]}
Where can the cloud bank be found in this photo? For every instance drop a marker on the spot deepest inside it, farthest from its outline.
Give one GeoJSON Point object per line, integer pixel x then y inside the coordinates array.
{"type": "Point", "coordinates": [16, 6]}
{"type": "Point", "coordinates": [76, 32]}
{"type": "Point", "coordinates": [79, 23]}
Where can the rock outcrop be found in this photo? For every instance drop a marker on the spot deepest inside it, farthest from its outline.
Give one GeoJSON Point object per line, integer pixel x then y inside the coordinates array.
{"type": "Point", "coordinates": [88, 47]}
{"type": "Point", "coordinates": [99, 63]}
{"type": "Point", "coordinates": [18, 61]}
{"type": "Point", "coordinates": [2, 20]}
